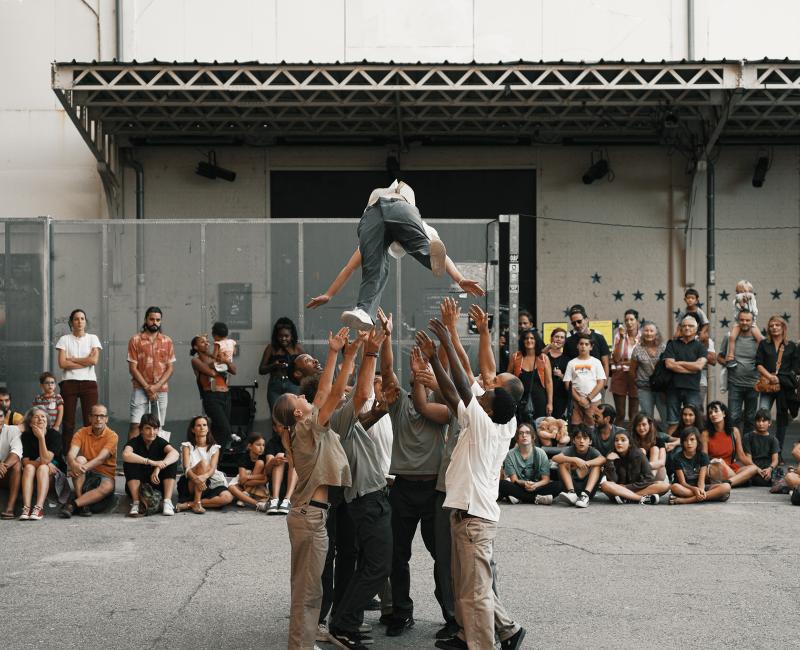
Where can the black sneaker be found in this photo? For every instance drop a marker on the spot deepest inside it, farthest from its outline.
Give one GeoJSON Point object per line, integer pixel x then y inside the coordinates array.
{"type": "Point", "coordinates": [374, 605]}
{"type": "Point", "coordinates": [399, 625]}
{"type": "Point", "coordinates": [453, 643]}
{"type": "Point", "coordinates": [343, 639]}
{"type": "Point", "coordinates": [67, 510]}
{"type": "Point", "coordinates": [514, 642]}
{"type": "Point", "coordinates": [448, 631]}
{"type": "Point", "coordinates": [84, 511]}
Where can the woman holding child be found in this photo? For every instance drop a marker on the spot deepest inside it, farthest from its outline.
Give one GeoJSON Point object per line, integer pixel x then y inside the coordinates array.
{"type": "Point", "coordinates": [213, 387]}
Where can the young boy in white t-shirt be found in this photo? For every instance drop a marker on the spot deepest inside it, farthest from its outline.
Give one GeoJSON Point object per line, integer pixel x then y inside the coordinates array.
{"type": "Point", "coordinates": [586, 378]}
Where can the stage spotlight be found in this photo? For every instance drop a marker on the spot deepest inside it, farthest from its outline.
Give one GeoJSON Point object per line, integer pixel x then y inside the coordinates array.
{"type": "Point", "coordinates": [760, 172]}
{"type": "Point", "coordinates": [599, 170]}
{"type": "Point", "coordinates": [211, 170]}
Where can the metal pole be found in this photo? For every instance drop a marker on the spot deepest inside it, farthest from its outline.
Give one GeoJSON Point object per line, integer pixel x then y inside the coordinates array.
{"type": "Point", "coordinates": [513, 280]}
{"type": "Point", "coordinates": [711, 268]}
{"type": "Point", "coordinates": [493, 284]}
{"type": "Point", "coordinates": [105, 325]}
{"type": "Point", "coordinates": [301, 281]}
{"type": "Point", "coordinates": [203, 293]}
{"type": "Point", "coordinates": [47, 281]}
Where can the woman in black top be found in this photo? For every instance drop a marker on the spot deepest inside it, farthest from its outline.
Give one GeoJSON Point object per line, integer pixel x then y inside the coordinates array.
{"type": "Point", "coordinates": [777, 344]}
{"type": "Point", "coordinates": [629, 476]}
{"type": "Point", "coordinates": [558, 365]}
{"type": "Point", "coordinates": [277, 360]}
{"type": "Point", "coordinates": [42, 463]}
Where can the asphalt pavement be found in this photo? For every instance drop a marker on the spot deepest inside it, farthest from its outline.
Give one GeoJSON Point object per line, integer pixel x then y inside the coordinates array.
{"type": "Point", "coordinates": [609, 576]}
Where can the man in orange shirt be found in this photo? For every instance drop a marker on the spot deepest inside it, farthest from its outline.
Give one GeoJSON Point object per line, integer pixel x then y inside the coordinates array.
{"type": "Point", "coordinates": [150, 361]}
{"type": "Point", "coordinates": [92, 457]}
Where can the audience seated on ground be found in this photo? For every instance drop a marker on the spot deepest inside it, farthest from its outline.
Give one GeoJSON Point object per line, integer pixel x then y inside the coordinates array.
{"type": "Point", "coordinates": [527, 472]}
{"type": "Point", "coordinates": [793, 476]}
{"type": "Point", "coordinates": [629, 477]}
{"type": "Point", "coordinates": [579, 467]}
{"type": "Point", "coordinates": [604, 429]}
{"type": "Point", "coordinates": [249, 486]}
{"type": "Point", "coordinates": [202, 484]}
{"type": "Point", "coordinates": [10, 463]}
{"type": "Point", "coordinates": [723, 444]}
{"type": "Point", "coordinates": [645, 437]}
{"type": "Point", "coordinates": [688, 466]}
{"type": "Point", "coordinates": [552, 432]}
{"type": "Point", "coordinates": [42, 464]}
{"type": "Point", "coordinates": [761, 449]}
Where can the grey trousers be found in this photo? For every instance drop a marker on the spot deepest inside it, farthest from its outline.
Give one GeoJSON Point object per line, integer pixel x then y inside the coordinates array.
{"type": "Point", "coordinates": [309, 541]}
{"type": "Point", "coordinates": [381, 224]}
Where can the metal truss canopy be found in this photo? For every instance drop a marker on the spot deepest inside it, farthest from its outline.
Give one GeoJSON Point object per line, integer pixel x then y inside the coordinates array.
{"type": "Point", "coordinates": [117, 103]}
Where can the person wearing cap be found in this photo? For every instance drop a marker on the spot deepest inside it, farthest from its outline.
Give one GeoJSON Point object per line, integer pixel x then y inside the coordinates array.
{"type": "Point", "coordinates": [391, 215]}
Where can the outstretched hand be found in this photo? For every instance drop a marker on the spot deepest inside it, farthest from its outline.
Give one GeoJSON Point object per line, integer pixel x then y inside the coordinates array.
{"type": "Point", "coordinates": [386, 321]}
{"type": "Point", "coordinates": [418, 362]}
{"type": "Point", "coordinates": [318, 301]}
{"type": "Point", "coordinates": [451, 311]}
{"type": "Point", "coordinates": [437, 327]}
{"type": "Point", "coordinates": [472, 287]}
{"type": "Point", "coordinates": [479, 317]}
{"type": "Point", "coordinates": [351, 347]}
{"type": "Point", "coordinates": [427, 379]}
{"type": "Point", "coordinates": [425, 344]}
{"type": "Point", "coordinates": [337, 342]}
{"type": "Point", "coordinates": [375, 339]}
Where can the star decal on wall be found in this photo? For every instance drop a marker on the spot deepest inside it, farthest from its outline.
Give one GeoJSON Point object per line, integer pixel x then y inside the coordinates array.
{"type": "Point", "coordinates": [660, 295]}
{"type": "Point", "coordinates": [786, 316]}
{"type": "Point", "coordinates": [725, 323]}
{"type": "Point", "coordinates": [618, 295]}
{"type": "Point", "coordinates": [797, 293]}
{"type": "Point", "coordinates": [677, 313]}
{"type": "Point", "coordinates": [617, 323]}
{"type": "Point", "coordinates": [566, 313]}
{"type": "Point", "coordinates": [596, 278]}
{"type": "Point", "coordinates": [638, 295]}
{"type": "Point", "coordinates": [724, 295]}
{"type": "Point", "coordinates": [776, 295]}
{"type": "Point", "coordinates": [700, 304]}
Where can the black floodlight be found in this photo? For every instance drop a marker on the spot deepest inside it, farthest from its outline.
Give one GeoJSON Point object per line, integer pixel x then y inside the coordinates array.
{"type": "Point", "coordinates": [760, 172]}
{"type": "Point", "coordinates": [211, 170]}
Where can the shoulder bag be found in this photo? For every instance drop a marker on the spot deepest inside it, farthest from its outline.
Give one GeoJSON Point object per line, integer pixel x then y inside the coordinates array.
{"type": "Point", "coordinates": [763, 385]}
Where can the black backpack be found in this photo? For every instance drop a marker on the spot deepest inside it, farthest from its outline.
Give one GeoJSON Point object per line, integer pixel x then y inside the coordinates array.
{"type": "Point", "coordinates": [661, 379]}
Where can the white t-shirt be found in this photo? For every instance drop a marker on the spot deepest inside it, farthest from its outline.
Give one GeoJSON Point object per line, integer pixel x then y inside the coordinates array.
{"type": "Point", "coordinates": [397, 251]}
{"type": "Point", "coordinates": [79, 348]}
{"type": "Point", "coordinates": [583, 374]}
{"type": "Point", "coordinates": [473, 476]}
{"type": "Point", "coordinates": [10, 440]}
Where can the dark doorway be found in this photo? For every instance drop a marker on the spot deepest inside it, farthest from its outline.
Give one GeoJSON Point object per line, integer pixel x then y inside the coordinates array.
{"type": "Point", "coordinates": [469, 194]}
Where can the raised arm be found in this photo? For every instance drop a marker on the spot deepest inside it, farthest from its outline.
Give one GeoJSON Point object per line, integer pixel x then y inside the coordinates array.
{"type": "Point", "coordinates": [446, 387]}
{"type": "Point", "coordinates": [438, 413]}
{"type": "Point", "coordinates": [486, 361]}
{"type": "Point", "coordinates": [387, 355]}
{"type": "Point", "coordinates": [344, 275]}
{"type": "Point", "coordinates": [348, 363]}
{"type": "Point", "coordinates": [335, 343]}
{"type": "Point", "coordinates": [451, 311]}
{"type": "Point", "coordinates": [462, 384]}
{"type": "Point", "coordinates": [366, 374]}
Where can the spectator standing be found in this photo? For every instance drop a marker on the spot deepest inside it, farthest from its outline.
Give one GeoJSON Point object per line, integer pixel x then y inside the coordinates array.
{"type": "Point", "coordinates": [580, 324]}
{"type": "Point", "coordinates": [12, 417]}
{"type": "Point", "coordinates": [623, 383]}
{"type": "Point", "coordinates": [643, 361]}
{"type": "Point", "coordinates": [776, 359]}
{"type": "Point", "coordinates": [92, 458]}
{"type": "Point", "coordinates": [558, 366]}
{"type": "Point", "coordinates": [48, 400]}
{"type": "Point", "coordinates": [742, 375]}
{"type": "Point", "coordinates": [692, 299]}
{"type": "Point", "coordinates": [685, 356]}
{"type": "Point", "coordinates": [586, 378]}
{"type": "Point", "coordinates": [213, 387]}
{"type": "Point", "coordinates": [42, 463]}
{"type": "Point", "coordinates": [532, 366]}
{"type": "Point", "coordinates": [276, 361]}
{"type": "Point", "coordinates": [10, 463]}
{"type": "Point", "coordinates": [150, 362]}
{"type": "Point", "coordinates": [78, 356]}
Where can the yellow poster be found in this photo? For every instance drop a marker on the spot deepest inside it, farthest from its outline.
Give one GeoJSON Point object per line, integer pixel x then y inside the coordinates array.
{"type": "Point", "coordinates": [547, 329]}
{"type": "Point", "coordinates": [604, 327]}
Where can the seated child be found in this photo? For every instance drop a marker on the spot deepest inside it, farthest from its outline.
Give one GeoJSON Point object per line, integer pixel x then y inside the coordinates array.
{"type": "Point", "coordinates": [689, 466]}
{"type": "Point", "coordinates": [744, 299]}
{"type": "Point", "coordinates": [551, 432]}
{"type": "Point", "coordinates": [763, 449]}
{"type": "Point", "coordinates": [278, 461]}
{"type": "Point", "coordinates": [629, 476]}
{"type": "Point", "coordinates": [249, 486]}
{"type": "Point", "coordinates": [579, 469]}
{"type": "Point", "coordinates": [793, 476]}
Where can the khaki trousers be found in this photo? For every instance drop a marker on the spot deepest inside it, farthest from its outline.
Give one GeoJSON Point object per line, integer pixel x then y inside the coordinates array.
{"type": "Point", "coordinates": [309, 541]}
{"type": "Point", "coordinates": [479, 611]}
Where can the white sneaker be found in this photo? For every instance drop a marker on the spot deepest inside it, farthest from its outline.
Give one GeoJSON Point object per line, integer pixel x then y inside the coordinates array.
{"type": "Point", "coordinates": [365, 628]}
{"type": "Point", "coordinates": [134, 511]}
{"type": "Point", "coordinates": [438, 255]}
{"type": "Point", "coordinates": [273, 507]}
{"type": "Point", "coordinates": [543, 500]}
{"type": "Point", "coordinates": [569, 498]}
{"type": "Point", "coordinates": [583, 500]}
{"type": "Point", "coordinates": [513, 500]}
{"type": "Point", "coordinates": [357, 319]}
{"type": "Point", "coordinates": [285, 507]}
{"type": "Point", "coordinates": [322, 633]}
{"type": "Point", "coordinates": [168, 509]}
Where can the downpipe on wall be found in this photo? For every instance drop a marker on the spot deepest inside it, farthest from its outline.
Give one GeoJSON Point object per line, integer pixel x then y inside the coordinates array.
{"type": "Point", "coordinates": [136, 166]}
